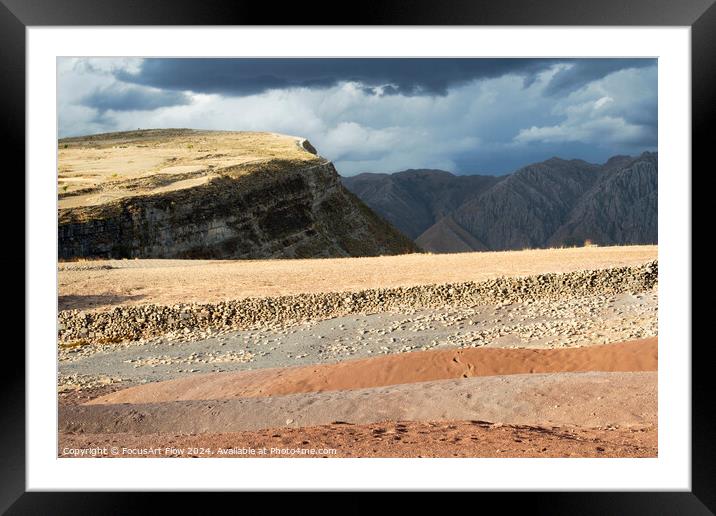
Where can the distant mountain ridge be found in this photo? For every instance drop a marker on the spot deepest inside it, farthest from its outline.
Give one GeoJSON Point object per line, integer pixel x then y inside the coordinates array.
{"type": "Point", "coordinates": [415, 199]}
{"type": "Point", "coordinates": [553, 203]}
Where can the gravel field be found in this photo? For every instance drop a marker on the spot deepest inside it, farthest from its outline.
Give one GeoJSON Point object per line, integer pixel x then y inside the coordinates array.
{"type": "Point", "coordinates": [146, 321]}
{"type": "Point", "coordinates": [580, 321]}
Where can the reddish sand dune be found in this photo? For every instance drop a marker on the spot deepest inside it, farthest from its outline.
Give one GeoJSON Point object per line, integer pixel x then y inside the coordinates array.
{"type": "Point", "coordinates": [639, 355]}
{"type": "Point", "coordinates": [387, 439]}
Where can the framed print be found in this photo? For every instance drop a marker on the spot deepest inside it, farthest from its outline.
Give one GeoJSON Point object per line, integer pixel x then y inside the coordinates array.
{"type": "Point", "coordinates": [440, 249]}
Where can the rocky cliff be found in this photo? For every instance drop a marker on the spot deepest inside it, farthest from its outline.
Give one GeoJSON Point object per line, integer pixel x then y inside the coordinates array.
{"type": "Point", "coordinates": [200, 194]}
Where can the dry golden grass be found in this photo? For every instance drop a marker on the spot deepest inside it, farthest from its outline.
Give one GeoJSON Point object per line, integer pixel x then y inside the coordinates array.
{"type": "Point", "coordinates": [97, 169]}
{"type": "Point", "coordinates": [181, 281]}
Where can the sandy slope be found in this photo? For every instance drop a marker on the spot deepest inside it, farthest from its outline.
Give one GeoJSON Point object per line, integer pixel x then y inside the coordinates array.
{"type": "Point", "coordinates": [419, 366]}
{"type": "Point", "coordinates": [580, 399]}
{"type": "Point", "coordinates": [104, 283]}
{"type": "Point", "coordinates": [386, 439]}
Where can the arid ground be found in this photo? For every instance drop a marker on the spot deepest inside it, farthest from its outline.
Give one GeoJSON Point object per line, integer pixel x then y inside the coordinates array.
{"type": "Point", "coordinates": [514, 354]}
{"type": "Point", "coordinates": [104, 283]}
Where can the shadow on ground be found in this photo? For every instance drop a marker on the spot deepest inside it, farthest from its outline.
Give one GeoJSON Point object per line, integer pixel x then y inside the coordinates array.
{"type": "Point", "coordinates": [93, 301]}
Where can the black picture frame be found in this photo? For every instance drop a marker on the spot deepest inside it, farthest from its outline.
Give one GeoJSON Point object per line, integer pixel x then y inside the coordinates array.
{"type": "Point", "coordinates": [16, 15]}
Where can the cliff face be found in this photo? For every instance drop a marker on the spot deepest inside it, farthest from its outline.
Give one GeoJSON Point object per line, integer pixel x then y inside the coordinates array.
{"type": "Point", "coordinates": [550, 204]}
{"type": "Point", "coordinates": [265, 208]}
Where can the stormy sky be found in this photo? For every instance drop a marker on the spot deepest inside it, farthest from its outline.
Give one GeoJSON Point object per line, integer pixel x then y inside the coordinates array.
{"type": "Point", "coordinates": [487, 116]}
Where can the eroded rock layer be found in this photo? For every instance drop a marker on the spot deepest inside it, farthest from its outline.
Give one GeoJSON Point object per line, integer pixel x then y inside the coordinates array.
{"type": "Point", "coordinates": [286, 203]}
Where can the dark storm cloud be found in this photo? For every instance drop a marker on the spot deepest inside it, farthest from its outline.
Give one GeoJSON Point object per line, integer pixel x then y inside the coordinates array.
{"type": "Point", "coordinates": [132, 98]}
{"type": "Point", "coordinates": [584, 71]}
{"type": "Point", "coordinates": [238, 77]}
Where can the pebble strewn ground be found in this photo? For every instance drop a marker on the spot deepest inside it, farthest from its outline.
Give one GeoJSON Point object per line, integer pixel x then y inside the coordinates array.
{"type": "Point", "coordinates": [132, 323]}
{"type": "Point", "coordinates": [580, 321]}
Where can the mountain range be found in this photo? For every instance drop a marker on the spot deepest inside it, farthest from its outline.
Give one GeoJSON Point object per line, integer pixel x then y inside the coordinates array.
{"type": "Point", "coordinates": [553, 203]}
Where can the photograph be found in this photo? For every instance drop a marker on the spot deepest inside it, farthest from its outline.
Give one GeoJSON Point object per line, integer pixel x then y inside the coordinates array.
{"type": "Point", "coordinates": [415, 248]}
{"type": "Point", "coordinates": [357, 257]}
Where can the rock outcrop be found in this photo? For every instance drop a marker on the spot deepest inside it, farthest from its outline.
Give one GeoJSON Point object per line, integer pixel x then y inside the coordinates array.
{"type": "Point", "coordinates": [201, 194]}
